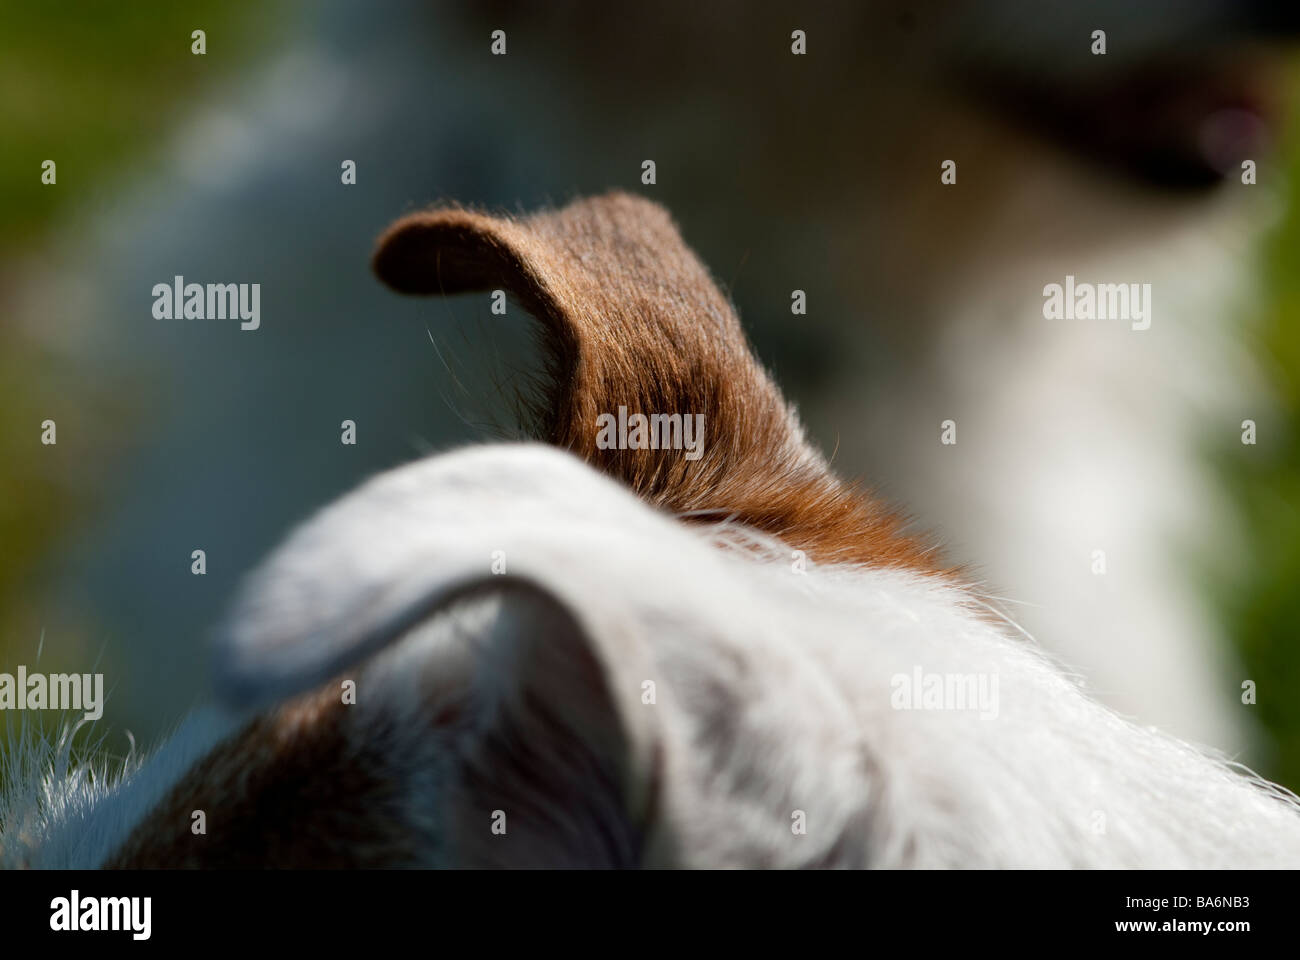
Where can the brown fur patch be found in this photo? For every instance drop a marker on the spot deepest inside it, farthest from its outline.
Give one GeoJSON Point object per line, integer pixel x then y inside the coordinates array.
{"type": "Point", "coordinates": [632, 318]}
{"type": "Point", "coordinates": [288, 791]}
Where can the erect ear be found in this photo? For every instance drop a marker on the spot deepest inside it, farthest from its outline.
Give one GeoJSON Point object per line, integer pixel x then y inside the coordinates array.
{"type": "Point", "coordinates": [634, 327]}
{"type": "Point", "coordinates": [522, 688]}
{"type": "Point", "coordinates": [631, 318]}
{"type": "Point", "coordinates": [548, 757]}
{"type": "Point", "coordinates": [411, 542]}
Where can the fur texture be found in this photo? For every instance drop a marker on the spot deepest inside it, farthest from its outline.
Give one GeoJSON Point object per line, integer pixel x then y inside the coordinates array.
{"type": "Point", "coordinates": [632, 318]}
{"type": "Point", "coordinates": [634, 689]}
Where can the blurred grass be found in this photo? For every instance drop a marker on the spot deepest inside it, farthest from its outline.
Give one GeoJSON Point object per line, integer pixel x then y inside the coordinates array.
{"type": "Point", "coordinates": [88, 84]}
{"type": "Point", "coordinates": [94, 87]}
{"type": "Point", "coordinates": [1261, 603]}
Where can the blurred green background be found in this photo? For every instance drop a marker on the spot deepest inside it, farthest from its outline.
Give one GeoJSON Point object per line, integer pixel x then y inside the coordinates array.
{"type": "Point", "coordinates": [93, 87]}
{"type": "Point", "coordinates": [1259, 599]}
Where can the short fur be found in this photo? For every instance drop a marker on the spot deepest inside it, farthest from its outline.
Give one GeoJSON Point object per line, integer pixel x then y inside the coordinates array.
{"type": "Point", "coordinates": [633, 319]}
{"type": "Point", "coordinates": [634, 690]}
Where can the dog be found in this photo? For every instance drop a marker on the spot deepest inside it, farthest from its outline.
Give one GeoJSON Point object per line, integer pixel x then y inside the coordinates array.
{"type": "Point", "coordinates": [1082, 483]}
{"type": "Point", "coordinates": [570, 654]}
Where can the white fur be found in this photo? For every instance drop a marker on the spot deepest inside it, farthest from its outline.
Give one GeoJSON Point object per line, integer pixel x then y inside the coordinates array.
{"type": "Point", "coordinates": [1083, 435]}
{"type": "Point", "coordinates": [773, 687]}
{"type": "Point", "coordinates": [59, 819]}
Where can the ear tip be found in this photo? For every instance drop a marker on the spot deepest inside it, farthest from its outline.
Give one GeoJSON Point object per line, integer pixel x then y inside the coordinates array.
{"type": "Point", "coordinates": [404, 251]}
{"type": "Point", "coordinates": [426, 252]}
{"type": "Point", "coordinates": [454, 249]}
{"type": "Point", "coordinates": [619, 197]}
{"type": "Point", "coordinates": [628, 210]}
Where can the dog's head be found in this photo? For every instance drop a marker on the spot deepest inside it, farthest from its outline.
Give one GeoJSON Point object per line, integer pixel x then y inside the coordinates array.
{"type": "Point", "coordinates": [506, 639]}
{"type": "Point", "coordinates": [614, 654]}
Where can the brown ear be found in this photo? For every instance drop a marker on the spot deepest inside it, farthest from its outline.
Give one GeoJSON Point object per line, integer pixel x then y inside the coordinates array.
{"type": "Point", "coordinates": [633, 320]}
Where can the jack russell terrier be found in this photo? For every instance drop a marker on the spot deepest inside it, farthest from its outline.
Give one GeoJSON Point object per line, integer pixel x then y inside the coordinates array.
{"type": "Point", "coordinates": [585, 653]}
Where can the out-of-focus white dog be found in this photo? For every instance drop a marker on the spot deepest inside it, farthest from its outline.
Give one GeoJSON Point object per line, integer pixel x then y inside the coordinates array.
{"type": "Point", "coordinates": [1082, 481]}
{"type": "Point", "coordinates": [529, 656]}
